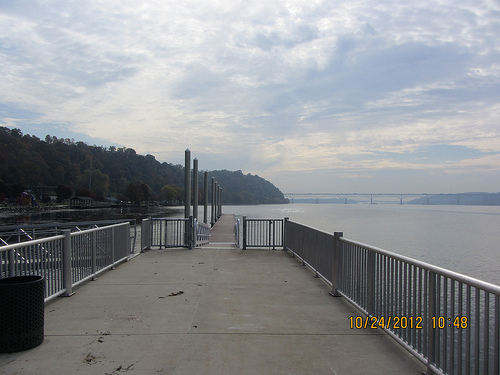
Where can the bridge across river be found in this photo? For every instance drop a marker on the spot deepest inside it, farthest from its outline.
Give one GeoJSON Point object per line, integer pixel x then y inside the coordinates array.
{"type": "Point", "coordinates": [211, 310]}
{"type": "Point", "coordinates": [373, 197]}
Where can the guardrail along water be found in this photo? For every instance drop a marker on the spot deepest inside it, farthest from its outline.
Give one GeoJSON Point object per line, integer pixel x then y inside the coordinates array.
{"type": "Point", "coordinates": [67, 259]}
{"type": "Point", "coordinates": [449, 321]}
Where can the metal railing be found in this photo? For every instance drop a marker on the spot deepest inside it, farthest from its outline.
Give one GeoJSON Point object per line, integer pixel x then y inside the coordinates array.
{"type": "Point", "coordinates": [262, 233]}
{"type": "Point", "coordinates": [312, 246]}
{"type": "Point", "coordinates": [201, 233]}
{"type": "Point", "coordinates": [174, 232]}
{"type": "Point", "coordinates": [449, 321]}
{"type": "Point", "coordinates": [169, 232]}
{"type": "Point", "coordinates": [146, 233]}
{"type": "Point", "coordinates": [69, 259]}
{"type": "Point", "coordinates": [18, 233]}
{"type": "Point", "coordinates": [237, 233]}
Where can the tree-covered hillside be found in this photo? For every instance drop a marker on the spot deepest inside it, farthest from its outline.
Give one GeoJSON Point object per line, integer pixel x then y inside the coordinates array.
{"type": "Point", "coordinates": [29, 162]}
{"type": "Point", "coordinates": [239, 188]}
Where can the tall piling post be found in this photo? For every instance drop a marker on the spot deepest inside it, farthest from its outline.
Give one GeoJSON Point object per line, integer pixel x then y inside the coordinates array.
{"type": "Point", "coordinates": [212, 222]}
{"type": "Point", "coordinates": [219, 203]}
{"type": "Point", "coordinates": [187, 184]}
{"type": "Point", "coordinates": [187, 197]}
{"type": "Point", "coordinates": [216, 199]}
{"type": "Point", "coordinates": [205, 197]}
{"type": "Point", "coordinates": [195, 188]}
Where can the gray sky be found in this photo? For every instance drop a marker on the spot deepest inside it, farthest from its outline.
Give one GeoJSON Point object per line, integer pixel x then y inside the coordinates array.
{"type": "Point", "coordinates": [315, 96]}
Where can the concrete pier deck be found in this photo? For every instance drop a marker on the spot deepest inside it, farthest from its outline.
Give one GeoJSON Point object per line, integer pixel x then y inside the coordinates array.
{"type": "Point", "coordinates": [207, 311]}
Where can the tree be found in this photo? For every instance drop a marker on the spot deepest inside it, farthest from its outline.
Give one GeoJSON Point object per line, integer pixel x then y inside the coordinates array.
{"type": "Point", "coordinates": [98, 181]}
{"type": "Point", "coordinates": [134, 193]}
{"type": "Point", "coordinates": [147, 193]}
{"type": "Point", "coordinates": [171, 193]}
{"type": "Point", "coordinates": [29, 161]}
{"type": "Point", "coordinates": [63, 192]}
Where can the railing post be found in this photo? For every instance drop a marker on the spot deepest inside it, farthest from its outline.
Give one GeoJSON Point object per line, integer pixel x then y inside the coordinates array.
{"type": "Point", "coordinates": [195, 232]}
{"type": "Point", "coordinates": [284, 231]}
{"type": "Point", "coordinates": [337, 263]}
{"type": "Point", "coordinates": [237, 233]}
{"type": "Point", "coordinates": [244, 232]}
{"type": "Point", "coordinates": [271, 234]}
{"type": "Point", "coordinates": [160, 235]}
{"type": "Point", "coordinates": [12, 263]}
{"type": "Point", "coordinates": [370, 283]}
{"type": "Point", "coordinates": [129, 245]}
{"type": "Point", "coordinates": [113, 247]}
{"type": "Point", "coordinates": [431, 313]}
{"type": "Point", "coordinates": [191, 234]}
{"type": "Point", "coordinates": [93, 236]}
{"type": "Point", "coordinates": [146, 234]}
{"type": "Point", "coordinates": [66, 263]}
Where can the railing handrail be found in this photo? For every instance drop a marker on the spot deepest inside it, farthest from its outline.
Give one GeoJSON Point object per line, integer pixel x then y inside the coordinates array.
{"type": "Point", "coordinates": [49, 230]}
{"type": "Point", "coordinates": [476, 283]}
{"type": "Point", "coordinates": [169, 219]}
{"type": "Point", "coordinates": [56, 237]}
{"type": "Point", "coordinates": [64, 224]}
{"type": "Point", "coordinates": [86, 231]}
{"type": "Point", "coordinates": [261, 219]}
{"type": "Point", "coordinates": [31, 243]}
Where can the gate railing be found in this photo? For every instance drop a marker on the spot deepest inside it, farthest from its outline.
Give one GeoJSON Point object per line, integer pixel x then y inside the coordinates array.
{"type": "Point", "coordinates": [170, 232]}
{"type": "Point", "coordinates": [449, 321]}
{"type": "Point", "coordinates": [201, 233]}
{"type": "Point", "coordinates": [68, 259]}
{"type": "Point", "coordinates": [262, 233]}
{"type": "Point", "coordinates": [174, 232]}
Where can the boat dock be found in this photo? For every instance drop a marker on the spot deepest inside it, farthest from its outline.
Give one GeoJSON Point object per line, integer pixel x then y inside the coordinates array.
{"type": "Point", "coordinates": [210, 310]}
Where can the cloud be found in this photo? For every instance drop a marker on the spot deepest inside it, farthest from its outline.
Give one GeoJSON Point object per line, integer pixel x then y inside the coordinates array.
{"type": "Point", "coordinates": [358, 90]}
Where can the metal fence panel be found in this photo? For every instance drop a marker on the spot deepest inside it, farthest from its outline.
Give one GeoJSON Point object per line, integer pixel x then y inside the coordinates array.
{"type": "Point", "coordinates": [146, 232]}
{"type": "Point", "coordinates": [91, 251]}
{"type": "Point", "coordinates": [168, 232]}
{"type": "Point", "coordinates": [262, 233]}
{"type": "Point", "coordinates": [449, 321]}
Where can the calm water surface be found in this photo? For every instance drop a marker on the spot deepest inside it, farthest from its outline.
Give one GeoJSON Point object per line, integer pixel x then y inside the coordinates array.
{"type": "Point", "coordinates": [94, 214]}
{"type": "Point", "coordinates": [464, 239]}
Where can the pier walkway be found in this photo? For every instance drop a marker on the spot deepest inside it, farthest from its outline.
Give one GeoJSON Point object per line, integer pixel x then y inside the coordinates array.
{"type": "Point", "coordinates": [211, 310]}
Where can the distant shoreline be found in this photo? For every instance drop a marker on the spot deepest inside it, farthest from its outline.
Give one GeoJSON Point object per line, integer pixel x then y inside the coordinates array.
{"type": "Point", "coordinates": [30, 209]}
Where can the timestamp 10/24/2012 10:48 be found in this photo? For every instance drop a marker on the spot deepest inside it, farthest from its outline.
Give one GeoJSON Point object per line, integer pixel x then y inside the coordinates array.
{"type": "Point", "coordinates": [404, 322]}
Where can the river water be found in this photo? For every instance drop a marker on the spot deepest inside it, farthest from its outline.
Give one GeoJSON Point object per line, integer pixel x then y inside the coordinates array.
{"type": "Point", "coordinates": [464, 239]}
{"type": "Point", "coordinates": [92, 214]}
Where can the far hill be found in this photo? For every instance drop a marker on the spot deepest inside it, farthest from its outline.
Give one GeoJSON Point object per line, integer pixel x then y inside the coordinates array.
{"type": "Point", "coordinates": [27, 162]}
{"type": "Point", "coordinates": [476, 199]}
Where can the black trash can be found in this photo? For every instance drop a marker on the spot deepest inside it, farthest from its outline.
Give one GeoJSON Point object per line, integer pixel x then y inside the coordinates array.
{"type": "Point", "coordinates": [21, 313]}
